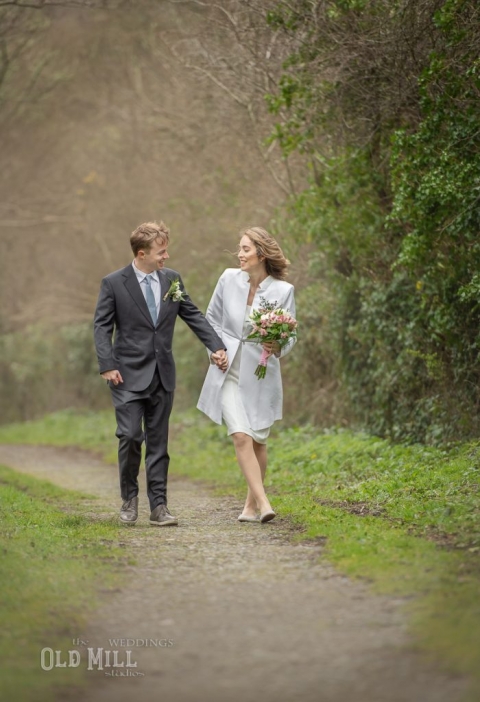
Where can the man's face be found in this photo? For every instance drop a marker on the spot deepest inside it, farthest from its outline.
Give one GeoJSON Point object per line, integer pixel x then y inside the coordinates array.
{"type": "Point", "coordinates": [154, 259]}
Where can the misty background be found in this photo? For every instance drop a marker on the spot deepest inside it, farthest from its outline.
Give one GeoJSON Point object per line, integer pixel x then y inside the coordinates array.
{"type": "Point", "coordinates": [109, 117]}
{"type": "Point", "coordinates": [348, 128]}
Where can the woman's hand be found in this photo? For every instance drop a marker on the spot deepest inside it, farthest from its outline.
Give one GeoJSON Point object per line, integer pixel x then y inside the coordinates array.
{"type": "Point", "coordinates": [272, 347]}
{"type": "Point", "coordinates": [220, 359]}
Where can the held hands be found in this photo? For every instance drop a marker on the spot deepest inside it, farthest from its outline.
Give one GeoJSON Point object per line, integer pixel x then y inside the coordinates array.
{"type": "Point", "coordinates": [220, 359]}
{"type": "Point", "coordinates": [113, 375]}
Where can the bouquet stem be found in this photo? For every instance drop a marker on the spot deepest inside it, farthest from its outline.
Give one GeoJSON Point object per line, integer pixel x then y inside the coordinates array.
{"type": "Point", "coordinates": [261, 369]}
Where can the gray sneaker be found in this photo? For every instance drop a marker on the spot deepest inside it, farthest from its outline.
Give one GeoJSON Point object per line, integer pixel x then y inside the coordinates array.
{"type": "Point", "coordinates": [129, 511]}
{"type": "Point", "coordinates": [162, 517]}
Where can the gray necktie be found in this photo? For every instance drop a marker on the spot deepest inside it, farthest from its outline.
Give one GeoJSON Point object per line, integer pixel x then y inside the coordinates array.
{"type": "Point", "coordinates": [150, 298]}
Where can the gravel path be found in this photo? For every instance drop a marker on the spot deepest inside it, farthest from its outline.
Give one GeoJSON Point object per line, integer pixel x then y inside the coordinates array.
{"type": "Point", "coordinates": [235, 612]}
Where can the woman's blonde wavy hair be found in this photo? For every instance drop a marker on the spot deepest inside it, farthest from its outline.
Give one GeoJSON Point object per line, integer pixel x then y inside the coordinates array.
{"type": "Point", "coordinates": [268, 249]}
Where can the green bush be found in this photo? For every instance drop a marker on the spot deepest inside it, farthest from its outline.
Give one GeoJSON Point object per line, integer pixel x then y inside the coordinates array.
{"type": "Point", "coordinates": [44, 369]}
{"type": "Point", "coordinates": [392, 215]}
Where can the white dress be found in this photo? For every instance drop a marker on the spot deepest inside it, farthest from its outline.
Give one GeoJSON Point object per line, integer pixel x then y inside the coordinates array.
{"type": "Point", "coordinates": [233, 411]}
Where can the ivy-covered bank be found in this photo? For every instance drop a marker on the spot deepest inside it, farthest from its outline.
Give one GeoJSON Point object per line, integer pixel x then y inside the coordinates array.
{"type": "Point", "coordinates": [381, 100]}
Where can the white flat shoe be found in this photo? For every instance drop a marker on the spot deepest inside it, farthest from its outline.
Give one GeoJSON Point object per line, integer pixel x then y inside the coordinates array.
{"type": "Point", "coordinates": [247, 518]}
{"type": "Point", "coordinates": [267, 516]}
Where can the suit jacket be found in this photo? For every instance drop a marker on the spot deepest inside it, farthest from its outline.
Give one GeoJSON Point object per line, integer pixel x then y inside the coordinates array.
{"type": "Point", "coordinates": [140, 346]}
{"type": "Point", "coordinates": [262, 399]}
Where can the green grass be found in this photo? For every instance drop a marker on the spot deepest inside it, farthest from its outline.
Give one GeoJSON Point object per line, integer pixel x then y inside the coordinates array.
{"type": "Point", "coordinates": [405, 518]}
{"type": "Point", "coordinates": [51, 564]}
{"type": "Point", "coordinates": [432, 492]}
{"type": "Point", "coordinates": [93, 431]}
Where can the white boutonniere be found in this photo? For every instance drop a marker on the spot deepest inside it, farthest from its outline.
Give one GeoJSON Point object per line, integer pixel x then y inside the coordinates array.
{"type": "Point", "coordinates": [174, 292]}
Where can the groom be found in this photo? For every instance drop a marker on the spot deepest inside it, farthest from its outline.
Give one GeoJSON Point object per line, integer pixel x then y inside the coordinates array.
{"type": "Point", "coordinates": [141, 303]}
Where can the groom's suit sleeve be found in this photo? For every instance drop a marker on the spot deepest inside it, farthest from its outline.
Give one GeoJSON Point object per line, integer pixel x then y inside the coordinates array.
{"type": "Point", "coordinates": [192, 316]}
{"type": "Point", "coordinates": [214, 313]}
{"type": "Point", "coordinates": [104, 322]}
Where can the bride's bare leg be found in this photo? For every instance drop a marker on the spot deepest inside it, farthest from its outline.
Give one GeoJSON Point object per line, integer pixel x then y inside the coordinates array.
{"type": "Point", "coordinates": [251, 469]}
{"type": "Point", "coordinates": [261, 454]}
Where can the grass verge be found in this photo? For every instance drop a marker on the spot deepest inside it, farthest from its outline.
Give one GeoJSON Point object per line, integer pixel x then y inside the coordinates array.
{"type": "Point", "coordinates": [93, 431]}
{"type": "Point", "coordinates": [50, 567]}
{"type": "Point", "coordinates": [407, 518]}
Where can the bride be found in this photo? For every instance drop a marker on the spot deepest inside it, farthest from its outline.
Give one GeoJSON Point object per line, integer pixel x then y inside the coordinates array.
{"type": "Point", "coordinates": [248, 406]}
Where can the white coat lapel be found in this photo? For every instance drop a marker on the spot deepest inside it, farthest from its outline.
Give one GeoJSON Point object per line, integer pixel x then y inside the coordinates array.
{"type": "Point", "coordinates": [262, 291]}
{"type": "Point", "coordinates": [240, 302]}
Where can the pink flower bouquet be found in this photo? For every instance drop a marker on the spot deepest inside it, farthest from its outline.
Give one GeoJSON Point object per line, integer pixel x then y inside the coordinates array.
{"type": "Point", "coordinates": [270, 323]}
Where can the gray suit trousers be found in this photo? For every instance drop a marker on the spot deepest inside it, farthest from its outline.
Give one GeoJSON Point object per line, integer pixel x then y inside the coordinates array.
{"type": "Point", "coordinates": [143, 415]}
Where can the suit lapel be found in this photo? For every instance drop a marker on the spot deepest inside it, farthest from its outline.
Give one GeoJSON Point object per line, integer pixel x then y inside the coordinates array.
{"type": "Point", "coordinates": [133, 287]}
{"type": "Point", "coordinates": [164, 288]}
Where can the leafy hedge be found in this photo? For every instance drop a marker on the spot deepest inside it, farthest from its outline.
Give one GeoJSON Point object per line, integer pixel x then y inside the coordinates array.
{"type": "Point", "coordinates": [392, 215]}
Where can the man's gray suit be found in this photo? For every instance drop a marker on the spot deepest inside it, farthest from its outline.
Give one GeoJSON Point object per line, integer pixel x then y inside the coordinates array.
{"type": "Point", "coordinates": [142, 352]}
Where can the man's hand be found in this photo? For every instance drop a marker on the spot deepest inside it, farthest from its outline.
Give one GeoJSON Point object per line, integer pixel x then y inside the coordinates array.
{"type": "Point", "coordinates": [113, 375]}
{"type": "Point", "coordinates": [220, 359]}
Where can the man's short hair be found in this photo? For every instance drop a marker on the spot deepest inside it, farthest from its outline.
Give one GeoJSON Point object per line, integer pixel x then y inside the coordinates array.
{"type": "Point", "coordinates": [145, 234]}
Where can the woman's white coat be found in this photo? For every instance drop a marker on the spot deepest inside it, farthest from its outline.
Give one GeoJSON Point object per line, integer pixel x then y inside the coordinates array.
{"type": "Point", "coordinates": [262, 399]}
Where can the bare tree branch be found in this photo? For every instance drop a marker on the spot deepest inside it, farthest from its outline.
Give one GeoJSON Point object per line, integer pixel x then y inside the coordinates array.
{"type": "Point", "coordinates": [36, 221]}
{"type": "Point", "coordinates": [236, 51]}
{"type": "Point", "coordinates": [214, 6]}
{"type": "Point", "coordinates": [41, 4]}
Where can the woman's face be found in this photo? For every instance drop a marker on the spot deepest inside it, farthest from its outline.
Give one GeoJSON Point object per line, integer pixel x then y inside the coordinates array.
{"type": "Point", "coordinates": [247, 255]}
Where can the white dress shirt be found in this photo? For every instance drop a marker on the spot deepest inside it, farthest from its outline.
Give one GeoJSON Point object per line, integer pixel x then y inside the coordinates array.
{"type": "Point", "coordinates": [154, 284]}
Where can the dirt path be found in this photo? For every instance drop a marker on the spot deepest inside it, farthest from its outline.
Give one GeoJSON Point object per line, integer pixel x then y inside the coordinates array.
{"type": "Point", "coordinates": [252, 617]}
